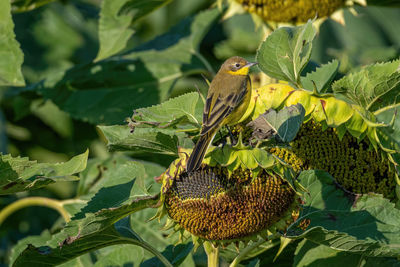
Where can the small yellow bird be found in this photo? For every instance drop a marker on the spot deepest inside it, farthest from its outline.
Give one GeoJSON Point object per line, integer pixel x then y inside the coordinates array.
{"type": "Point", "coordinates": [227, 100]}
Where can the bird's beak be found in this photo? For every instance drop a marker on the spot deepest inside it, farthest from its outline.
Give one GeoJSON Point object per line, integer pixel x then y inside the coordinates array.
{"type": "Point", "coordinates": [248, 65]}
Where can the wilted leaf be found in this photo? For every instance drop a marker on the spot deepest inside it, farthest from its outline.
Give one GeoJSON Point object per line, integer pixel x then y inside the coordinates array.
{"type": "Point", "coordinates": [19, 174]}
{"type": "Point", "coordinates": [116, 19]}
{"type": "Point", "coordinates": [322, 77]}
{"type": "Point", "coordinates": [285, 123]}
{"type": "Point", "coordinates": [10, 53]}
{"type": "Point", "coordinates": [286, 51]}
{"type": "Point", "coordinates": [367, 225]}
{"type": "Point", "coordinates": [373, 87]}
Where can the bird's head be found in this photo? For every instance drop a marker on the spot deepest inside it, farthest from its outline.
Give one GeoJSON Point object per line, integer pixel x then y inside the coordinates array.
{"type": "Point", "coordinates": [237, 66]}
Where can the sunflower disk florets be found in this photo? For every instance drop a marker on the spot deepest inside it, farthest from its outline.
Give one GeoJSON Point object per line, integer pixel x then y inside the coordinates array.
{"type": "Point", "coordinates": [218, 204]}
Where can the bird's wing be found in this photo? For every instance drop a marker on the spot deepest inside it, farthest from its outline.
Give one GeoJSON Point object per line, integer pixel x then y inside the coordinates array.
{"type": "Point", "coordinates": [214, 113]}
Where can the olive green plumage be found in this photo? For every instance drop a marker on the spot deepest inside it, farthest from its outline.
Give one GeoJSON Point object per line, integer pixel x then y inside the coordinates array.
{"type": "Point", "coordinates": [227, 99]}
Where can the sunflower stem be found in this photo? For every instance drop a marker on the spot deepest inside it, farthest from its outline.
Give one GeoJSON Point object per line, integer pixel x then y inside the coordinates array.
{"type": "Point", "coordinates": [212, 254]}
{"type": "Point", "coordinates": [34, 201]}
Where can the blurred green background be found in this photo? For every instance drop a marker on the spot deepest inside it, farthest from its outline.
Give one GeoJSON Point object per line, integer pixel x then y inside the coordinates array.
{"type": "Point", "coordinates": [60, 42]}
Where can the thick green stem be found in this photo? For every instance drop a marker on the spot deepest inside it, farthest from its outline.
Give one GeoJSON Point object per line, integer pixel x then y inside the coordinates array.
{"type": "Point", "coordinates": [33, 201]}
{"type": "Point", "coordinates": [212, 254]}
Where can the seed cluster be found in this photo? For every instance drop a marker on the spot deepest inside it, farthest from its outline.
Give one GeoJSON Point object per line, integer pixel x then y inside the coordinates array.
{"type": "Point", "coordinates": [291, 10]}
{"type": "Point", "coordinates": [353, 164]}
{"type": "Point", "coordinates": [225, 208]}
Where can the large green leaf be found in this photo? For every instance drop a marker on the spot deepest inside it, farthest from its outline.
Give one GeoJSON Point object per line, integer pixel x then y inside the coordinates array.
{"type": "Point", "coordinates": [167, 114]}
{"type": "Point", "coordinates": [19, 174]}
{"type": "Point", "coordinates": [108, 91]}
{"type": "Point", "coordinates": [10, 53]}
{"type": "Point", "coordinates": [367, 225]}
{"type": "Point", "coordinates": [313, 255]}
{"type": "Point", "coordinates": [286, 51]}
{"type": "Point", "coordinates": [123, 193]}
{"type": "Point", "coordinates": [145, 140]}
{"type": "Point", "coordinates": [85, 235]}
{"type": "Point", "coordinates": [374, 87]}
{"type": "Point", "coordinates": [321, 78]}
{"type": "Point", "coordinates": [116, 19]}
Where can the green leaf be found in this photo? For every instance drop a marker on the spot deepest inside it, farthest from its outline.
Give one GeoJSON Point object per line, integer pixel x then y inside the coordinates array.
{"type": "Point", "coordinates": [374, 87]}
{"type": "Point", "coordinates": [81, 236]}
{"type": "Point", "coordinates": [169, 112]}
{"type": "Point", "coordinates": [322, 77]}
{"type": "Point", "coordinates": [108, 91]}
{"type": "Point", "coordinates": [312, 255]}
{"type": "Point", "coordinates": [121, 255]}
{"type": "Point", "coordinates": [390, 136]}
{"type": "Point", "coordinates": [286, 51]}
{"type": "Point", "coordinates": [175, 254]}
{"type": "Point", "coordinates": [142, 140]}
{"type": "Point", "coordinates": [116, 19]}
{"type": "Point", "coordinates": [285, 123]}
{"type": "Point", "coordinates": [367, 225]}
{"type": "Point", "coordinates": [10, 52]}
{"type": "Point", "coordinates": [19, 174]}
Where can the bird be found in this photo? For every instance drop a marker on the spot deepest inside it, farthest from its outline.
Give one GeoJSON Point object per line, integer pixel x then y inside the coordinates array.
{"type": "Point", "coordinates": [227, 100]}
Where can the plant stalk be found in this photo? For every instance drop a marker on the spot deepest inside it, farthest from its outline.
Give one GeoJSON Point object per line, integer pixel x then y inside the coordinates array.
{"type": "Point", "coordinates": [212, 254]}
{"type": "Point", "coordinates": [34, 201]}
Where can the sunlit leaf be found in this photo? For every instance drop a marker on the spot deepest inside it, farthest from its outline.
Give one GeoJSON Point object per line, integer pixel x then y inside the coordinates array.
{"type": "Point", "coordinates": [373, 87]}
{"type": "Point", "coordinates": [286, 51]}
{"type": "Point", "coordinates": [20, 174]}
{"type": "Point", "coordinates": [10, 52]}
{"type": "Point", "coordinates": [322, 77]}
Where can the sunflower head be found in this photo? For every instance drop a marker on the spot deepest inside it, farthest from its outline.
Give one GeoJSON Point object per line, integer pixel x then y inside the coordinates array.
{"type": "Point", "coordinates": [291, 10]}
{"type": "Point", "coordinates": [228, 202]}
{"type": "Point", "coordinates": [336, 136]}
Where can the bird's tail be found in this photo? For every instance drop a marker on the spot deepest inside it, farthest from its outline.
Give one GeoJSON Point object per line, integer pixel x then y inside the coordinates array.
{"type": "Point", "coordinates": [199, 151]}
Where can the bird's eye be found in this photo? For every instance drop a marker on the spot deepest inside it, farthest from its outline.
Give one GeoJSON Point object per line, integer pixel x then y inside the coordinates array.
{"type": "Point", "coordinates": [237, 65]}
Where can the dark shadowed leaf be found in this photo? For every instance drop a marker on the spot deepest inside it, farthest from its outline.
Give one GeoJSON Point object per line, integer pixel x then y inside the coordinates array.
{"type": "Point", "coordinates": [175, 254]}
{"type": "Point", "coordinates": [24, 6]}
{"type": "Point", "coordinates": [19, 174]}
{"type": "Point", "coordinates": [116, 19]}
{"type": "Point", "coordinates": [108, 91]}
{"type": "Point", "coordinates": [11, 55]}
{"type": "Point", "coordinates": [367, 225]}
{"type": "Point", "coordinates": [286, 51]}
{"type": "Point", "coordinates": [313, 255]}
